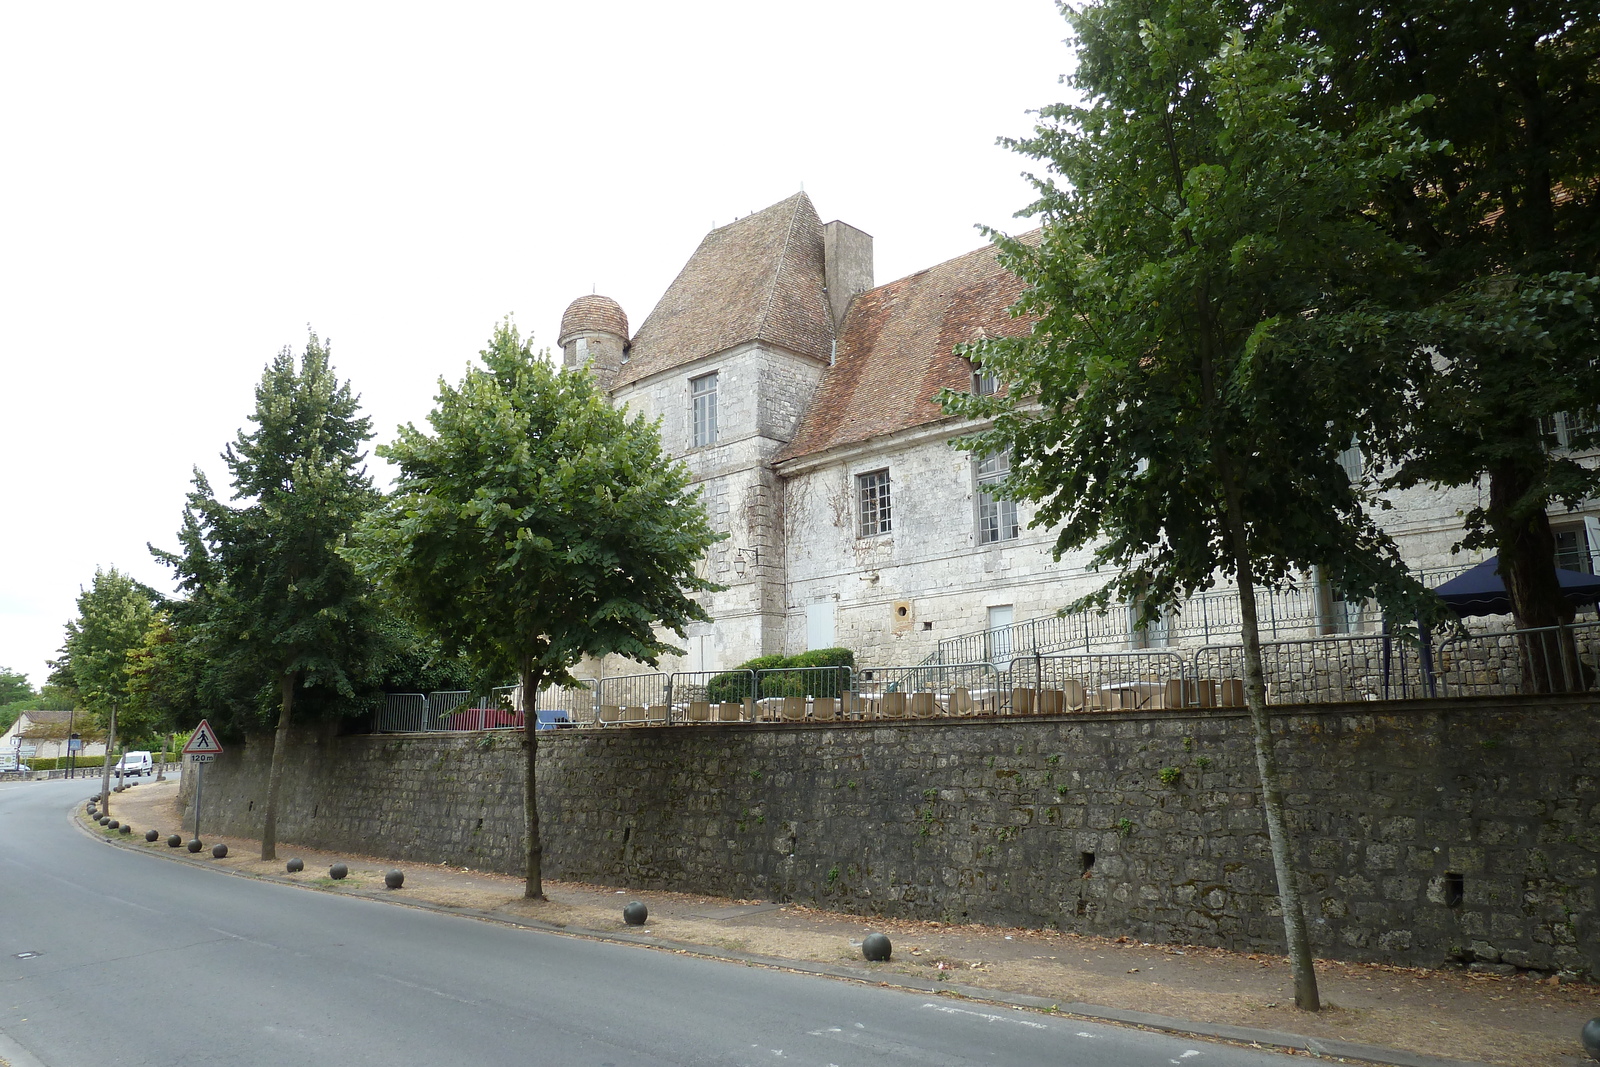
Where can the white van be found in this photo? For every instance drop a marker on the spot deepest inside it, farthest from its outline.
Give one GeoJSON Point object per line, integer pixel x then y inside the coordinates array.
{"type": "Point", "coordinates": [134, 763]}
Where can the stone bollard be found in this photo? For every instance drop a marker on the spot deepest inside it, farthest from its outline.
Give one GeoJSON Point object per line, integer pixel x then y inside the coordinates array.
{"type": "Point", "coordinates": [152, 835]}
{"type": "Point", "coordinates": [173, 840]}
{"type": "Point", "coordinates": [338, 871]}
{"type": "Point", "coordinates": [634, 913]}
{"type": "Point", "coordinates": [395, 879]}
{"type": "Point", "coordinates": [195, 845]}
{"type": "Point", "coordinates": [219, 850]}
{"type": "Point", "coordinates": [876, 948]}
{"type": "Point", "coordinates": [295, 865]}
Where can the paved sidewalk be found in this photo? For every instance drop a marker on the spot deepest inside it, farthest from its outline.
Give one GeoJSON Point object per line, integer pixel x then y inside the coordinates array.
{"type": "Point", "coordinates": [1373, 1013]}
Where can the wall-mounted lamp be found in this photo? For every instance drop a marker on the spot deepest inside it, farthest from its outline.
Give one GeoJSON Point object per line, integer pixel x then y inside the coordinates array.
{"type": "Point", "coordinates": [739, 563]}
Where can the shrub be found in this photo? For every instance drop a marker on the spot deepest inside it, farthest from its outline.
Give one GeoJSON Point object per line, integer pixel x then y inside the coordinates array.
{"type": "Point", "coordinates": [777, 676]}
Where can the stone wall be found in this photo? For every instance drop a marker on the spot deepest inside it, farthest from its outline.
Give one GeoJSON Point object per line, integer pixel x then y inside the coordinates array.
{"type": "Point", "coordinates": [1427, 831]}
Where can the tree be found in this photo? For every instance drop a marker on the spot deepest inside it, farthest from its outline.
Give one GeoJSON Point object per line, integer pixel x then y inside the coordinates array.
{"type": "Point", "coordinates": [161, 683]}
{"type": "Point", "coordinates": [534, 526]}
{"type": "Point", "coordinates": [113, 614]}
{"type": "Point", "coordinates": [1202, 289]}
{"type": "Point", "coordinates": [277, 613]}
{"type": "Point", "coordinates": [1506, 212]}
{"type": "Point", "coordinates": [14, 686]}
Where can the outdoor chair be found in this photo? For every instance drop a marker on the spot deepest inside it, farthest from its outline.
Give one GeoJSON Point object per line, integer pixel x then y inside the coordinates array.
{"type": "Point", "coordinates": [699, 711]}
{"type": "Point", "coordinates": [922, 706]}
{"type": "Point", "coordinates": [793, 709]}
{"type": "Point", "coordinates": [961, 701]}
{"type": "Point", "coordinates": [824, 709]}
{"type": "Point", "coordinates": [1232, 693]}
{"type": "Point", "coordinates": [1022, 701]}
{"type": "Point", "coordinates": [1051, 701]}
{"type": "Point", "coordinates": [893, 706]}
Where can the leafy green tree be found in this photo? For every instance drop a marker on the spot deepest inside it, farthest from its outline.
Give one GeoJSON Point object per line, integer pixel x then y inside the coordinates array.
{"type": "Point", "coordinates": [112, 616]}
{"type": "Point", "coordinates": [275, 611]}
{"type": "Point", "coordinates": [534, 526]}
{"type": "Point", "coordinates": [14, 686]}
{"type": "Point", "coordinates": [1505, 211]}
{"type": "Point", "coordinates": [1202, 292]}
{"type": "Point", "coordinates": [161, 683]}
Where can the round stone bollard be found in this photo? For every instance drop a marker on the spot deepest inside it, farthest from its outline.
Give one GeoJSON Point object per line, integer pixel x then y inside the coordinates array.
{"type": "Point", "coordinates": [173, 840]}
{"type": "Point", "coordinates": [124, 829]}
{"type": "Point", "coordinates": [338, 871]}
{"type": "Point", "coordinates": [195, 844]}
{"type": "Point", "coordinates": [876, 948]}
{"type": "Point", "coordinates": [295, 865]}
{"type": "Point", "coordinates": [112, 824]}
{"type": "Point", "coordinates": [634, 913]}
{"type": "Point", "coordinates": [152, 835]}
{"type": "Point", "coordinates": [1591, 1038]}
{"type": "Point", "coordinates": [219, 851]}
{"type": "Point", "coordinates": [395, 879]}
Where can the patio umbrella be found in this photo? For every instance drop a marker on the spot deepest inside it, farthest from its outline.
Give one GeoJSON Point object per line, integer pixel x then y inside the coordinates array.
{"type": "Point", "coordinates": [1480, 591]}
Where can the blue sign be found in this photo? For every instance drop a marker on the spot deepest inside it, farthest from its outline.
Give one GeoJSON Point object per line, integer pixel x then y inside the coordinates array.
{"type": "Point", "coordinates": [75, 745]}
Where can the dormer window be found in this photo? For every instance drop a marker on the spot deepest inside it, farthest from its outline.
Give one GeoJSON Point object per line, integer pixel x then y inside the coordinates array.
{"type": "Point", "coordinates": [703, 404]}
{"type": "Point", "coordinates": [983, 382]}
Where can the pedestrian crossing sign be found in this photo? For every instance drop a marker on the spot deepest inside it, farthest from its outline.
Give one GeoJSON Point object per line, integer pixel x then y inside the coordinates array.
{"type": "Point", "coordinates": [203, 742]}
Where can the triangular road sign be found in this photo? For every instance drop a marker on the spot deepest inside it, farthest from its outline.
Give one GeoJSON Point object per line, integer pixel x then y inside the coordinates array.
{"type": "Point", "coordinates": [203, 742]}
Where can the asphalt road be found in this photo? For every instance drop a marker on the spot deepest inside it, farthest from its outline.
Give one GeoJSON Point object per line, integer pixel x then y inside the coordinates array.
{"type": "Point", "coordinates": [139, 960]}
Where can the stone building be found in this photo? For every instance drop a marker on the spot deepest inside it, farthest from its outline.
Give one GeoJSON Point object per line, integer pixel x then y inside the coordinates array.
{"type": "Point", "coordinates": [800, 394]}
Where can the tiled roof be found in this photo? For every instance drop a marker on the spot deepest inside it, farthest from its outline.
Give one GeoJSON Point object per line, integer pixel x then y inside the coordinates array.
{"type": "Point", "coordinates": [594, 312]}
{"type": "Point", "coordinates": [760, 278]}
{"type": "Point", "coordinates": [895, 351]}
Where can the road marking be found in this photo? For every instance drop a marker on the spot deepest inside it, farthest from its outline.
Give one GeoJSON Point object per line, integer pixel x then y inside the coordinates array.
{"type": "Point", "coordinates": [240, 937]}
{"type": "Point", "coordinates": [987, 1016]}
{"type": "Point", "coordinates": [428, 989]}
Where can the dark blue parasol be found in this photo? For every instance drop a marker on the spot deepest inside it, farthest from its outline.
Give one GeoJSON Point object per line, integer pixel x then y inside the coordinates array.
{"type": "Point", "coordinates": [1480, 591]}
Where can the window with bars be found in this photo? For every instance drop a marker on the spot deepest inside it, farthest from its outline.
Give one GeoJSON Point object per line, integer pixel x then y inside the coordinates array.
{"type": "Point", "coordinates": [997, 516]}
{"type": "Point", "coordinates": [877, 512]}
{"type": "Point", "coordinates": [703, 401]}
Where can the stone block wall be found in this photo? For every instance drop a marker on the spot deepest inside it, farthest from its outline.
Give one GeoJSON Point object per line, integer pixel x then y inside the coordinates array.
{"type": "Point", "coordinates": [1426, 831]}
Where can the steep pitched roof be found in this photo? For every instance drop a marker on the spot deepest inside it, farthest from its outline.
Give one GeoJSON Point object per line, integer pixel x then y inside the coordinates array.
{"type": "Point", "coordinates": [895, 351]}
{"type": "Point", "coordinates": [760, 278]}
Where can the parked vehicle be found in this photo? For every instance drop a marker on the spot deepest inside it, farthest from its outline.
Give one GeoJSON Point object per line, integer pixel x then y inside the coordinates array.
{"type": "Point", "coordinates": [134, 764]}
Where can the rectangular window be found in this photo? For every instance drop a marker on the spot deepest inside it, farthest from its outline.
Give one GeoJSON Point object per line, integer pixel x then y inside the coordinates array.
{"type": "Point", "coordinates": [997, 517]}
{"type": "Point", "coordinates": [983, 383]}
{"type": "Point", "coordinates": [1573, 549]}
{"type": "Point", "coordinates": [703, 398]}
{"type": "Point", "coordinates": [1567, 427]}
{"type": "Point", "coordinates": [872, 489]}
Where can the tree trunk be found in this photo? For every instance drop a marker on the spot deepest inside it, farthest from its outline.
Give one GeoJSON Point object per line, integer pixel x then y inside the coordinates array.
{"type": "Point", "coordinates": [105, 770]}
{"type": "Point", "coordinates": [1306, 996]}
{"type": "Point", "coordinates": [534, 889]}
{"type": "Point", "coordinates": [280, 746]}
{"type": "Point", "coordinates": [1527, 553]}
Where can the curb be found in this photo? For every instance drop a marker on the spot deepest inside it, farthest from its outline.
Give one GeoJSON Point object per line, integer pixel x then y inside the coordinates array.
{"type": "Point", "coordinates": [1242, 1035]}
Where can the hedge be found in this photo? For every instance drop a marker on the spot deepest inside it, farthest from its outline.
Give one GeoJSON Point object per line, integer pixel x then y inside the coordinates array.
{"type": "Point", "coordinates": [823, 679]}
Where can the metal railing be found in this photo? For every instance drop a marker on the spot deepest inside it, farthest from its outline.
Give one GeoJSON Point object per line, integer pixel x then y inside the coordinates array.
{"type": "Point", "coordinates": [1336, 668]}
{"type": "Point", "coordinates": [1550, 659]}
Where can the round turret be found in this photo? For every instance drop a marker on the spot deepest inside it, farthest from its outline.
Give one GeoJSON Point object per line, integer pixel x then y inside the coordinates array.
{"type": "Point", "coordinates": [593, 314]}
{"type": "Point", "coordinates": [594, 334]}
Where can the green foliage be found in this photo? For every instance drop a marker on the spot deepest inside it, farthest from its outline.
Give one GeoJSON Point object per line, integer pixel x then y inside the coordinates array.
{"type": "Point", "coordinates": [1202, 240]}
{"type": "Point", "coordinates": [819, 681]}
{"type": "Point", "coordinates": [274, 614]}
{"type": "Point", "coordinates": [14, 687]}
{"type": "Point", "coordinates": [1170, 775]}
{"type": "Point", "coordinates": [113, 615]}
{"type": "Point", "coordinates": [536, 524]}
{"type": "Point", "coordinates": [1503, 210]}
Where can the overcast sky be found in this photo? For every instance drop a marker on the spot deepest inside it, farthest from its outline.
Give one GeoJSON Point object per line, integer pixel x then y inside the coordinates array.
{"type": "Point", "coordinates": [186, 188]}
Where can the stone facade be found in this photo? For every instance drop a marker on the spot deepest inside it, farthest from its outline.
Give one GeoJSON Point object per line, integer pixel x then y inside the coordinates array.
{"type": "Point", "coordinates": [822, 376]}
{"type": "Point", "coordinates": [1427, 832]}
